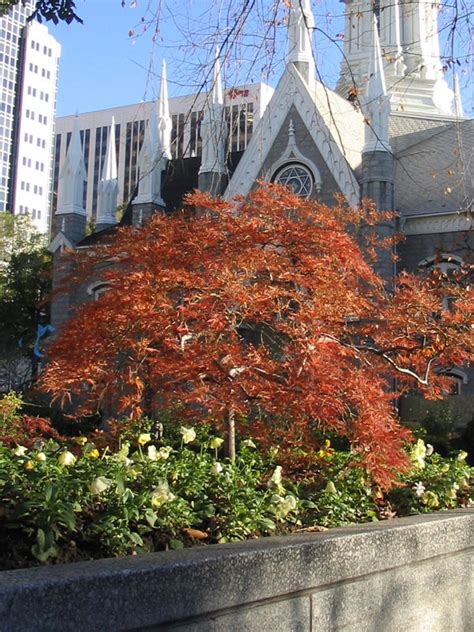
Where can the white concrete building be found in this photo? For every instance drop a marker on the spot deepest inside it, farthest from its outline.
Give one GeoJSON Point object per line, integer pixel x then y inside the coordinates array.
{"type": "Point", "coordinates": [29, 58]}
{"type": "Point", "coordinates": [244, 106]}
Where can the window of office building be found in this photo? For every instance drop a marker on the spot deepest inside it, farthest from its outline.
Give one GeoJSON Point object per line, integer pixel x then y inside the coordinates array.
{"type": "Point", "coordinates": [134, 135]}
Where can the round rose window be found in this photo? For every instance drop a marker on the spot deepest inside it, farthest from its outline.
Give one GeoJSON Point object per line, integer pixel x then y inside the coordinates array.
{"type": "Point", "coordinates": [296, 177]}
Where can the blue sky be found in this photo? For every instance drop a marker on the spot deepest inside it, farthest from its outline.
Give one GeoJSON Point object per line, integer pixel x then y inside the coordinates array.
{"type": "Point", "coordinates": [102, 65]}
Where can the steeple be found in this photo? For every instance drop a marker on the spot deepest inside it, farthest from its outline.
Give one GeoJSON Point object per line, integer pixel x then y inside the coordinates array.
{"type": "Point", "coordinates": [164, 118]}
{"type": "Point", "coordinates": [376, 105]}
{"type": "Point", "coordinates": [70, 214]}
{"type": "Point", "coordinates": [72, 176]}
{"type": "Point", "coordinates": [377, 181]}
{"type": "Point", "coordinates": [153, 158]}
{"type": "Point", "coordinates": [212, 173]}
{"type": "Point", "coordinates": [300, 49]}
{"type": "Point", "coordinates": [108, 185]}
{"type": "Point", "coordinates": [409, 40]}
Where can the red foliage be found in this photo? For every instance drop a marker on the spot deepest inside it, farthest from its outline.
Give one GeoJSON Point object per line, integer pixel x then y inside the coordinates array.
{"type": "Point", "coordinates": [26, 430]}
{"type": "Point", "coordinates": [264, 308]}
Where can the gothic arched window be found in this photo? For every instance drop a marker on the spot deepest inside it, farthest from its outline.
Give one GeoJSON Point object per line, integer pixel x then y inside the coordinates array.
{"type": "Point", "coordinates": [444, 262]}
{"type": "Point", "coordinates": [296, 177]}
{"type": "Point", "coordinates": [97, 289]}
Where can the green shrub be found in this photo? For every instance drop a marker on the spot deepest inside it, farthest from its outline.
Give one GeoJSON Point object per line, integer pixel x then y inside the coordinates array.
{"type": "Point", "coordinates": [87, 499]}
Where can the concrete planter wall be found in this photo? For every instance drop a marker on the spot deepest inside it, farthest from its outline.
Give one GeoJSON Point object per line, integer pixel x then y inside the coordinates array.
{"type": "Point", "coordinates": [411, 574]}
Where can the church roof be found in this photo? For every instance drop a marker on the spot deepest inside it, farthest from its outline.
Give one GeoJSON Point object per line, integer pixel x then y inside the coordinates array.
{"type": "Point", "coordinates": [434, 167]}
{"type": "Point", "coordinates": [335, 126]}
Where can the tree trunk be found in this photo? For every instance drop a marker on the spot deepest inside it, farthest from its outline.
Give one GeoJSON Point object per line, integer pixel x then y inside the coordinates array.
{"type": "Point", "coordinates": [231, 436]}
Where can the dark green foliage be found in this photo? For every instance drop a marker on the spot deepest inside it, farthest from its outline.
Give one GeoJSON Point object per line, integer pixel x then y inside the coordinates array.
{"type": "Point", "coordinates": [54, 10]}
{"type": "Point", "coordinates": [25, 282]}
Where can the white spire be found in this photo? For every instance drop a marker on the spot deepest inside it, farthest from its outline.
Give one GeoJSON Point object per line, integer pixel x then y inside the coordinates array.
{"type": "Point", "coordinates": [156, 149]}
{"type": "Point", "coordinates": [109, 170]}
{"type": "Point", "coordinates": [72, 176]}
{"type": "Point", "coordinates": [213, 132]}
{"type": "Point", "coordinates": [217, 96]}
{"type": "Point", "coordinates": [300, 49]}
{"type": "Point", "coordinates": [164, 118]}
{"type": "Point", "coordinates": [376, 84]}
{"type": "Point", "coordinates": [108, 185]}
{"type": "Point", "coordinates": [376, 101]}
{"type": "Point", "coordinates": [458, 108]}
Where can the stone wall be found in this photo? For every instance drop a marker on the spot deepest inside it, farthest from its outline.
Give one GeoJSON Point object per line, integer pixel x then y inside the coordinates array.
{"type": "Point", "coordinates": [410, 574]}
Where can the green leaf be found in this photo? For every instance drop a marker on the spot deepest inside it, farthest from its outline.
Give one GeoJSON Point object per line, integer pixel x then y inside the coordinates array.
{"type": "Point", "coordinates": [120, 485]}
{"type": "Point", "coordinates": [151, 517]}
{"type": "Point", "coordinates": [176, 544]}
{"type": "Point", "coordinates": [266, 524]}
{"type": "Point", "coordinates": [135, 538]}
{"type": "Point", "coordinates": [68, 518]}
{"type": "Point", "coordinates": [41, 539]}
{"type": "Point", "coordinates": [49, 490]}
{"type": "Point", "coordinates": [127, 495]}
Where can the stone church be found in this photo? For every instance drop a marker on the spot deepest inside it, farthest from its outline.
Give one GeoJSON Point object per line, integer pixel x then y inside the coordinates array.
{"type": "Point", "coordinates": [392, 130]}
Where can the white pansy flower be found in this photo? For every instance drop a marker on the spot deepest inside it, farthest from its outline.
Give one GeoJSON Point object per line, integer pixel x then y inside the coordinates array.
{"type": "Point", "coordinates": [429, 449]}
{"type": "Point", "coordinates": [100, 484]}
{"type": "Point", "coordinates": [66, 458]}
{"type": "Point", "coordinates": [419, 489]}
{"type": "Point", "coordinates": [161, 495]}
{"type": "Point", "coordinates": [20, 450]}
{"type": "Point", "coordinates": [164, 452]}
{"type": "Point", "coordinates": [418, 454]}
{"type": "Point", "coordinates": [248, 443]}
{"type": "Point", "coordinates": [216, 468]}
{"type": "Point", "coordinates": [216, 442]}
{"type": "Point", "coordinates": [275, 478]}
{"type": "Point", "coordinates": [283, 505]}
{"type": "Point", "coordinates": [188, 434]}
{"type": "Point", "coordinates": [152, 453]}
{"type": "Point", "coordinates": [41, 456]}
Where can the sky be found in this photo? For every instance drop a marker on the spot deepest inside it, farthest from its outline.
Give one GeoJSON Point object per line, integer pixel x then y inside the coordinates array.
{"type": "Point", "coordinates": [104, 65]}
{"type": "Point", "coordinates": [114, 58]}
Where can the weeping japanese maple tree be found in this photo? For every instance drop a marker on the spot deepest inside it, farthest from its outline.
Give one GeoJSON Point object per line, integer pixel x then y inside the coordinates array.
{"type": "Point", "coordinates": [263, 309]}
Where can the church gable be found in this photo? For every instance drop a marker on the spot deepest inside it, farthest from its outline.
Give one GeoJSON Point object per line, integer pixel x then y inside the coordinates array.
{"type": "Point", "coordinates": [292, 155]}
{"type": "Point", "coordinates": [294, 95]}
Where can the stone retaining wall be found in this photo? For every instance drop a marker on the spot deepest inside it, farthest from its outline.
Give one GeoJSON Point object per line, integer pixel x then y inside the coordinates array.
{"type": "Point", "coordinates": [411, 574]}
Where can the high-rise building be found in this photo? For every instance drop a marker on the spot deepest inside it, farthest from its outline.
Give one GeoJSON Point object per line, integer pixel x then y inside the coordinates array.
{"type": "Point", "coordinates": [244, 107]}
{"type": "Point", "coordinates": [29, 58]}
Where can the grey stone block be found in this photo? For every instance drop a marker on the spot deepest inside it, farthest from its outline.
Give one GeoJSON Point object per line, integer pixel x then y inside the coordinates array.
{"type": "Point", "coordinates": [203, 584]}
{"type": "Point", "coordinates": [292, 615]}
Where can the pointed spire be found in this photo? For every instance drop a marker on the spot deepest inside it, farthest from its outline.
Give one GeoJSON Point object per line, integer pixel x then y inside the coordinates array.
{"type": "Point", "coordinates": [213, 131]}
{"type": "Point", "coordinates": [72, 176]}
{"type": "Point", "coordinates": [458, 108]}
{"type": "Point", "coordinates": [300, 49]}
{"type": "Point", "coordinates": [376, 84]}
{"type": "Point", "coordinates": [109, 171]}
{"type": "Point", "coordinates": [376, 102]}
{"type": "Point", "coordinates": [164, 118]}
{"type": "Point", "coordinates": [217, 96]}
{"type": "Point", "coordinates": [108, 185]}
{"type": "Point", "coordinates": [156, 149]}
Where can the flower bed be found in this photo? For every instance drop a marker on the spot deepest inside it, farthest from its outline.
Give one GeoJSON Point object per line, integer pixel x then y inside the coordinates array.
{"type": "Point", "coordinates": [98, 496]}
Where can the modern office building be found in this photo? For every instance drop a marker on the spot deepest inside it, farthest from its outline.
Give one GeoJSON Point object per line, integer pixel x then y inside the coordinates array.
{"type": "Point", "coordinates": [244, 107]}
{"type": "Point", "coordinates": [29, 58]}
